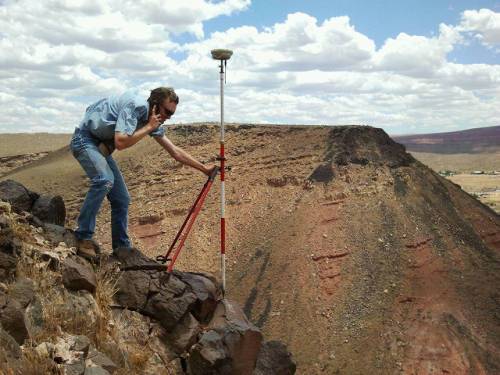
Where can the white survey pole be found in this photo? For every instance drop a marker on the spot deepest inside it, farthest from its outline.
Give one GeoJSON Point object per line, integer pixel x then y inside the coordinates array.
{"type": "Point", "coordinates": [222, 55]}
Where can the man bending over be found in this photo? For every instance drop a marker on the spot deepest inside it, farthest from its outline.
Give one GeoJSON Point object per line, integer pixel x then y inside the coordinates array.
{"type": "Point", "coordinates": [119, 122]}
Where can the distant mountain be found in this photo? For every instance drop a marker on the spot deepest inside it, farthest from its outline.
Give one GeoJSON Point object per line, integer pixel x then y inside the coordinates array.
{"type": "Point", "coordinates": [476, 140]}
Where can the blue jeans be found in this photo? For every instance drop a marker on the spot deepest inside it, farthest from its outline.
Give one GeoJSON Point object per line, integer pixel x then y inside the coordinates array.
{"type": "Point", "coordinates": [106, 180]}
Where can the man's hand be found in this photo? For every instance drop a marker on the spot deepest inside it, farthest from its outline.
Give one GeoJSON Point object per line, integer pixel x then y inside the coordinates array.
{"type": "Point", "coordinates": [154, 121]}
{"type": "Point", "coordinates": [209, 169]}
{"type": "Point", "coordinates": [182, 156]}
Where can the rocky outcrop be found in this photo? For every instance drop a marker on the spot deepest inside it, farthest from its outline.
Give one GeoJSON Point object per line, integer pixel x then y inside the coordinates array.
{"type": "Point", "coordinates": [229, 345]}
{"type": "Point", "coordinates": [213, 332]}
{"type": "Point", "coordinates": [363, 145]}
{"type": "Point", "coordinates": [12, 318]}
{"type": "Point", "coordinates": [19, 197]}
{"type": "Point", "coordinates": [359, 145]}
{"type": "Point", "coordinates": [155, 320]}
{"type": "Point", "coordinates": [10, 347]}
{"type": "Point", "coordinates": [50, 209]}
{"type": "Point", "coordinates": [274, 358]}
{"type": "Point", "coordinates": [78, 275]}
{"type": "Point", "coordinates": [47, 208]}
{"type": "Point", "coordinates": [9, 244]}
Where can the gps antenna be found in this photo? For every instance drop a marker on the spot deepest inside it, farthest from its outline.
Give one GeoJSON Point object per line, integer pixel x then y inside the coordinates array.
{"type": "Point", "coordinates": [222, 55]}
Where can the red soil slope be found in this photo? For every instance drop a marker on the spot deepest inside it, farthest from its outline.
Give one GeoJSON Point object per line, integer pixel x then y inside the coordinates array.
{"type": "Point", "coordinates": [360, 258]}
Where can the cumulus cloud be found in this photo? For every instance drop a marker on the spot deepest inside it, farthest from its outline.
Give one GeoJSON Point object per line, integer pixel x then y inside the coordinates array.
{"type": "Point", "coordinates": [484, 23]}
{"type": "Point", "coordinates": [297, 44]}
{"type": "Point", "coordinates": [73, 50]}
{"type": "Point", "coordinates": [62, 55]}
{"type": "Point", "coordinates": [417, 55]}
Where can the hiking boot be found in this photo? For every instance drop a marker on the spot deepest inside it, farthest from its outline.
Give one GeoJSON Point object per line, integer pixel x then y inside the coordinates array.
{"type": "Point", "coordinates": [88, 249]}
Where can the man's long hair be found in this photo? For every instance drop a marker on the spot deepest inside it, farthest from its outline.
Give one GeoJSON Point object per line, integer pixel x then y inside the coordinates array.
{"type": "Point", "coordinates": [159, 94]}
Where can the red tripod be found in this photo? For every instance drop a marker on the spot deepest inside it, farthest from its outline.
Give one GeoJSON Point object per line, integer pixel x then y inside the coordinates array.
{"type": "Point", "coordinates": [188, 223]}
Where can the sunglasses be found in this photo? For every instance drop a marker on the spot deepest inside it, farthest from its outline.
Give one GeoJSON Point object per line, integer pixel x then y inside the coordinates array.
{"type": "Point", "coordinates": [168, 112]}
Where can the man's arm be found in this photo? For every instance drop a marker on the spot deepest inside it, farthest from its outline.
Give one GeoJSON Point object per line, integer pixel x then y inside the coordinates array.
{"type": "Point", "coordinates": [123, 140]}
{"type": "Point", "coordinates": [182, 156]}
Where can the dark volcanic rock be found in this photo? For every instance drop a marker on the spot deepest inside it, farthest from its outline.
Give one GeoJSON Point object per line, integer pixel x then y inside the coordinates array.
{"type": "Point", "coordinates": [210, 356]}
{"type": "Point", "coordinates": [77, 275]}
{"type": "Point", "coordinates": [206, 291]}
{"type": "Point", "coordinates": [98, 359]}
{"type": "Point", "coordinates": [7, 266]}
{"type": "Point", "coordinates": [275, 359]}
{"type": "Point", "coordinates": [56, 234]}
{"type": "Point", "coordinates": [50, 209]}
{"type": "Point", "coordinates": [12, 318]}
{"type": "Point", "coordinates": [8, 345]}
{"type": "Point", "coordinates": [145, 286]}
{"type": "Point", "coordinates": [9, 243]}
{"type": "Point", "coordinates": [23, 291]}
{"type": "Point", "coordinates": [184, 334]}
{"type": "Point", "coordinates": [20, 198]}
{"type": "Point", "coordinates": [323, 173]}
{"type": "Point", "coordinates": [363, 145]}
{"type": "Point", "coordinates": [230, 334]}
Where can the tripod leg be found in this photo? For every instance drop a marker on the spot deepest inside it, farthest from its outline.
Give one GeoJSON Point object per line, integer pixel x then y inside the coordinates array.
{"type": "Point", "coordinates": [196, 210]}
{"type": "Point", "coordinates": [185, 221]}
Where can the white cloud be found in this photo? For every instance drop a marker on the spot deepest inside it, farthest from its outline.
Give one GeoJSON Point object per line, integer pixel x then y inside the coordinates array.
{"type": "Point", "coordinates": [297, 44]}
{"type": "Point", "coordinates": [62, 55]}
{"type": "Point", "coordinates": [181, 16]}
{"type": "Point", "coordinates": [484, 23]}
{"type": "Point", "coordinates": [416, 55]}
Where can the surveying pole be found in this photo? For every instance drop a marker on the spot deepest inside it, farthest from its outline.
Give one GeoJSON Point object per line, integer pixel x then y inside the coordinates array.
{"type": "Point", "coordinates": [222, 55]}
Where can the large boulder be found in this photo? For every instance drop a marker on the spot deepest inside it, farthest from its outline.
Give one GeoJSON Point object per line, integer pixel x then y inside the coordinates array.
{"type": "Point", "coordinates": [96, 359]}
{"type": "Point", "coordinates": [145, 286]}
{"type": "Point", "coordinates": [50, 209]}
{"type": "Point", "coordinates": [9, 346]}
{"type": "Point", "coordinates": [9, 244]}
{"type": "Point", "coordinates": [77, 305]}
{"type": "Point", "coordinates": [57, 234]}
{"type": "Point", "coordinates": [274, 359]}
{"type": "Point", "coordinates": [78, 275]}
{"type": "Point", "coordinates": [23, 290]}
{"type": "Point", "coordinates": [20, 198]}
{"type": "Point", "coordinates": [7, 266]}
{"type": "Point", "coordinates": [12, 318]}
{"type": "Point", "coordinates": [230, 345]}
{"type": "Point", "coordinates": [184, 334]}
{"type": "Point", "coordinates": [210, 356]}
{"type": "Point", "coordinates": [206, 290]}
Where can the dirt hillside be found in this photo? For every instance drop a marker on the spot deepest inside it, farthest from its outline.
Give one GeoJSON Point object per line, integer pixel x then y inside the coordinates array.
{"type": "Point", "coordinates": [341, 244]}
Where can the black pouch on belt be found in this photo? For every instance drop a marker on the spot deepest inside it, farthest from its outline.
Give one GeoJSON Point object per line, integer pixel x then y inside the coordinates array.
{"type": "Point", "coordinates": [106, 148]}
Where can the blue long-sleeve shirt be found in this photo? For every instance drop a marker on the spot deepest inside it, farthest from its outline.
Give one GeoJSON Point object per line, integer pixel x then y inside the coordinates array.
{"type": "Point", "coordinates": [123, 113]}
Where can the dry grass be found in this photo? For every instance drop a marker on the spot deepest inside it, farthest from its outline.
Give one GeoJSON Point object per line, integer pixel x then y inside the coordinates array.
{"type": "Point", "coordinates": [34, 364]}
{"type": "Point", "coordinates": [31, 363]}
{"type": "Point", "coordinates": [106, 289]}
{"type": "Point", "coordinates": [58, 318]}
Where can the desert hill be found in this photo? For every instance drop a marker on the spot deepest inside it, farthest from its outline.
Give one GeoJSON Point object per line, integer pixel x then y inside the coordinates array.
{"type": "Point", "coordinates": [17, 150]}
{"type": "Point", "coordinates": [357, 256]}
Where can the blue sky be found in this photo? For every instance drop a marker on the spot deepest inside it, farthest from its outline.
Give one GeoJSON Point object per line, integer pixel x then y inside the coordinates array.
{"type": "Point", "coordinates": [377, 19]}
{"type": "Point", "coordinates": [404, 66]}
